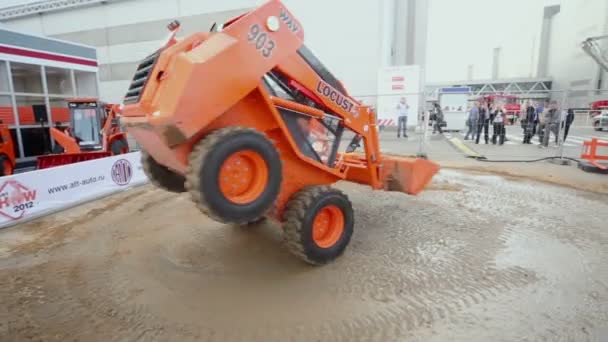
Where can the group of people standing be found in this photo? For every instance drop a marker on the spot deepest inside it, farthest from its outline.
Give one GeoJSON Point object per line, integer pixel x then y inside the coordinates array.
{"type": "Point", "coordinates": [535, 120]}
{"type": "Point", "coordinates": [544, 122]}
{"type": "Point", "coordinates": [481, 115]}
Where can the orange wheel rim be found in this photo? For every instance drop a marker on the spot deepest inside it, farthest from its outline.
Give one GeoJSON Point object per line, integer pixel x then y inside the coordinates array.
{"type": "Point", "coordinates": [243, 176]}
{"type": "Point", "coordinates": [8, 168]}
{"type": "Point", "coordinates": [328, 226]}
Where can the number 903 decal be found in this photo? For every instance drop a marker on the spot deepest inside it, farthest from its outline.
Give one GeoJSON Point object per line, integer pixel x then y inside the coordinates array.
{"type": "Point", "coordinates": [261, 40]}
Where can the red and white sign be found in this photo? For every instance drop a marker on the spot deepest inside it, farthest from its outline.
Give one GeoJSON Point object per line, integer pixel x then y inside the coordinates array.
{"type": "Point", "coordinates": [16, 199]}
{"type": "Point", "coordinates": [386, 122]}
{"type": "Point", "coordinates": [122, 172]}
{"type": "Point", "coordinates": [395, 83]}
{"type": "Point", "coordinates": [52, 57]}
{"type": "Point", "coordinates": [29, 195]}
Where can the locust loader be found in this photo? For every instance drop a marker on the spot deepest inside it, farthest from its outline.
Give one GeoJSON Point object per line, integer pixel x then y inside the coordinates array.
{"type": "Point", "coordinates": [251, 124]}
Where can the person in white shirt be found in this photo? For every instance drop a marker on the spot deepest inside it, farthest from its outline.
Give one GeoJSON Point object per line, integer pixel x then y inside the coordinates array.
{"type": "Point", "coordinates": [402, 111]}
{"type": "Point", "coordinates": [499, 126]}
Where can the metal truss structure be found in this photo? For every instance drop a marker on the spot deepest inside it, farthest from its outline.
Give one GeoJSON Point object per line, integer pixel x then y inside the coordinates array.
{"type": "Point", "coordinates": [40, 7]}
{"type": "Point", "coordinates": [525, 88]}
{"type": "Point", "coordinates": [592, 46]}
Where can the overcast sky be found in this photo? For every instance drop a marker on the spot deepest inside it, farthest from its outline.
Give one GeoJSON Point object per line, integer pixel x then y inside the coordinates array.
{"type": "Point", "coordinates": [465, 32]}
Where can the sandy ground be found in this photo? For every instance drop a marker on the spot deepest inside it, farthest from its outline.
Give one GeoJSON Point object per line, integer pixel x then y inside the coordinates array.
{"type": "Point", "coordinates": [566, 175]}
{"type": "Point", "coordinates": [441, 151]}
{"type": "Point", "coordinates": [474, 258]}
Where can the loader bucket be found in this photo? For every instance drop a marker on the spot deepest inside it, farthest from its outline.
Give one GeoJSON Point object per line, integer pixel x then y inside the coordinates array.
{"type": "Point", "coordinates": [407, 174]}
{"type": "Point", "coordinates": [52, 160]}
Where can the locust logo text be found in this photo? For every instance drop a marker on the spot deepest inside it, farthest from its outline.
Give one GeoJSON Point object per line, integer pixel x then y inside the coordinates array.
{"type": "Point", "coordinates": [335, 96]}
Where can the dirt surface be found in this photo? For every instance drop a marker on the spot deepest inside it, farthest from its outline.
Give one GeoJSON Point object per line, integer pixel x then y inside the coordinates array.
{"type": "Point", "coordinates": [566, 175]}
{"type": "Point", "coordinates": [475, 258]}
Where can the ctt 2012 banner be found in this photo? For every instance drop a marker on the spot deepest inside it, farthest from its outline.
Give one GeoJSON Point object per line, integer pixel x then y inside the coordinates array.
{"type": "Point", "coordinates": [33, 194]}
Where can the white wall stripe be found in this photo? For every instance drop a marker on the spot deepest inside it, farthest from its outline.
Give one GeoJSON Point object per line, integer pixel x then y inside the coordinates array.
{"type": "Point", "coordinates": [46, 62]}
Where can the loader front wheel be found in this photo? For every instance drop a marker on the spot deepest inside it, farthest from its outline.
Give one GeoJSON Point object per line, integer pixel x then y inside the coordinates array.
{"type": "Point", "coordinates": [318, 224]}
{"type": "Point", "coordinates": [234, 175]}
{"type": "Point", "coordinates": [161, 176]}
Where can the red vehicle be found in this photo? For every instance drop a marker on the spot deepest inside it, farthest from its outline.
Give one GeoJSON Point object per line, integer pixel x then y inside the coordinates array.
{"type": "Point", "coordinates": [7, 153]}
{"type": "Point", "coordinates": [510, 104]}
{"type": "Point", "coordinates": [599, 105]}
{"type": "Point", "coordinates": [599, 115]}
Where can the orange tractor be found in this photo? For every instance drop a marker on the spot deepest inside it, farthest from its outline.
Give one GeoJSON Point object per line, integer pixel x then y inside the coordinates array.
{"type": "Point", "coordinates": [94, 133]}
{"type": "Point", "coordinates": [7, 152]}
{"type": "Point", "coordinates": [249, 122]}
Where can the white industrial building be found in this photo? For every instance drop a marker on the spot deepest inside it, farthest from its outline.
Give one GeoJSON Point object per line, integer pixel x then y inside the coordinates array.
{"type": "Point", "coordinates": [456, 42]}
{"type": "Point", "coordinates": [37, 77]}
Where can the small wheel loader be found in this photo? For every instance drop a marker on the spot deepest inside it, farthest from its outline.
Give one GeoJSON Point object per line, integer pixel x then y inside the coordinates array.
{"type": "Point", "coordinates": [7, 151]}
{"type": "Point", "coordinates": [94, 133]}
{"type": "Point", "coordinates": [249, 122]}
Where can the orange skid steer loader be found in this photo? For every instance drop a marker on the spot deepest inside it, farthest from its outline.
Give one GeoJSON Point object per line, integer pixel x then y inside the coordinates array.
{"type": "Point", "coordinates": [94, 133]}
{"type": "Point", "coordinates": [249, 122]}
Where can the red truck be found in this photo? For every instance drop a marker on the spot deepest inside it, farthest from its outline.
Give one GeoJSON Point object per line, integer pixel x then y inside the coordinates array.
{"type": "Point", "coordinates": [510, 104]}
{"type": "Point", "coordinates": [599, 115]}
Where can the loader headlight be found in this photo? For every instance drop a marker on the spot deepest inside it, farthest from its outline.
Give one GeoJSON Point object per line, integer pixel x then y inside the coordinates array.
{"type": "Point", "coordinates": [272, 24]}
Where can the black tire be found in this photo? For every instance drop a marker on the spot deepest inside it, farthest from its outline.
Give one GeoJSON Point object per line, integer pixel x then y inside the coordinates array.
{"type": "Point", "coordinates": [255, 222]}
{"type": "Point", "coordinates": [118, 146]}
{"type": "Point", "coordinates": [299, 217]}
{"type": "Point", "coordinates": [204, 168]}
{"type": "Point", "coordinates": [251, 225]}
{"type": "Point", "coordinates": [161, 176]}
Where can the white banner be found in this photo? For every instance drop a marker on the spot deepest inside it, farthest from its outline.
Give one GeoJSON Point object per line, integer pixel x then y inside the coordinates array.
{"type": "Point", "coordinates": [33, 194]}
{"type": "Point", "coordinates": [395, 83]}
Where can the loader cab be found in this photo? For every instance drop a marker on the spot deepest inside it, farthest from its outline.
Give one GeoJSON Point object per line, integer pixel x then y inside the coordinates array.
{"type": "Point", "coordinates": [317, 139]}
{"type": "Point", "coordinates": [87, 118]}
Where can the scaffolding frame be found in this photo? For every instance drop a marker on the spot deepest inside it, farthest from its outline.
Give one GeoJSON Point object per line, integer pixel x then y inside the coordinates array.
{"type": "Point", "coordinates": [592, 47]}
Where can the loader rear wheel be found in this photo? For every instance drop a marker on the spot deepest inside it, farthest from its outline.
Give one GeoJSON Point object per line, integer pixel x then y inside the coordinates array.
{"type": "Point", "coordinates": [161, 176]}
{"type": "Point", "coordinates": [318, 224]}
{"type": "Point", "coordinates": [234, 175]}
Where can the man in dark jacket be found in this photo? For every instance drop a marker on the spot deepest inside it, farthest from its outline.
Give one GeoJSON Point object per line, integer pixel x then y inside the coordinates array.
{"type": "Point", "coordinates": [438, 114]}
{"type": "Point", "coordinates": [569, 120]}
{"type": "Point", "coordinates": [483, 122]}
{"type": "Point", "coordinates": [529, 122]}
